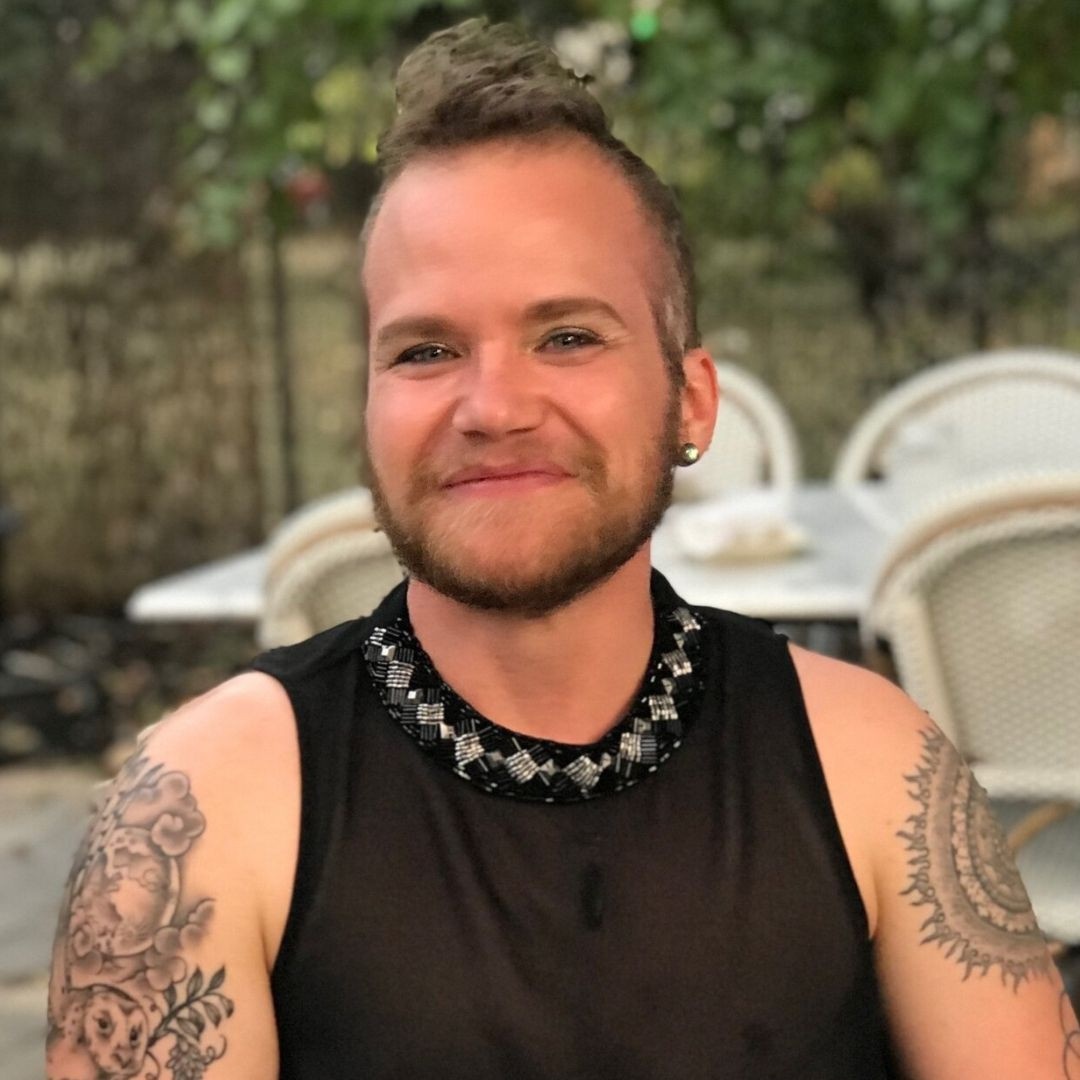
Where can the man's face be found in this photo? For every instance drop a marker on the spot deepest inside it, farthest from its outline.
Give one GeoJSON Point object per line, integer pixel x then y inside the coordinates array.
{"type": "Point", "coordinates": [521, 423]}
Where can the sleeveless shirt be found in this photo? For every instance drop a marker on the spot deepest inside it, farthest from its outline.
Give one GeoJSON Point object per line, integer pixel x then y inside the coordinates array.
{"type": "Point", "coordinates": [703, 924]}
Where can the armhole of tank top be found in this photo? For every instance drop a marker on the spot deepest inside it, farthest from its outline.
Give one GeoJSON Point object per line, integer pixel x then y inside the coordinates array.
{"type": "Point", "coordinates": [305, 873]}
{"type": "Point", "coordinates": [826, 810]}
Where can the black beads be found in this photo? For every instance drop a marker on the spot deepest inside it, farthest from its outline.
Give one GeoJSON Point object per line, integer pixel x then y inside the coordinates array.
{"type": "Point", "coordinates": [508, 763]}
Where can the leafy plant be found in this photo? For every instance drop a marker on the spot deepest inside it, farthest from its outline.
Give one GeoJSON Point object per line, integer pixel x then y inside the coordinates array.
{"type": "Point", "coordinates": [202, 1003]}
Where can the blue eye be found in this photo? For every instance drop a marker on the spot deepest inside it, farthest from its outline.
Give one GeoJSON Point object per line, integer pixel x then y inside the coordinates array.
{"type": "Point", "coordinates": [565, 340]}
{"type": "Point", "coordinates": [424, 354]}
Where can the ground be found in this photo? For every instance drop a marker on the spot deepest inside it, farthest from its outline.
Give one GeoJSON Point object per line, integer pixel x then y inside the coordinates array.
{"type": "Point", "coordinates": [43, 810]}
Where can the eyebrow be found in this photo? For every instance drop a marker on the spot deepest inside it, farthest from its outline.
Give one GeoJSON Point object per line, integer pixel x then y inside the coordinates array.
{"type": "Point", "coordinates": [558, 307]}
{"type": "Point", "coordinates": [414, 326]}
{"type": "Point", "coordinates": [562, 307]}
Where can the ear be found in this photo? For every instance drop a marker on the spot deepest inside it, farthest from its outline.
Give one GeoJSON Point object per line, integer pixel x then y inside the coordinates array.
{"type": "Point", "coordinates": [700, 399]}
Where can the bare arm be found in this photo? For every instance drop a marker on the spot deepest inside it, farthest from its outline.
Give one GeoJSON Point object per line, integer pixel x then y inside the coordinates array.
{"type": "Point", "coordinates": [161, 960]}
{"type": "Point", "coordinates": [969, 986]}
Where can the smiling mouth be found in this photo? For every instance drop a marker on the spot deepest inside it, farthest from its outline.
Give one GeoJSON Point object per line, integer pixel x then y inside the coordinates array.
{"type": "Point", "coordinates": [507, 483]}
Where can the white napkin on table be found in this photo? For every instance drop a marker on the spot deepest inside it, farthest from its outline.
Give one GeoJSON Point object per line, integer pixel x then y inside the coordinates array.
{"type": "Point", "coordinates": [746, 526]}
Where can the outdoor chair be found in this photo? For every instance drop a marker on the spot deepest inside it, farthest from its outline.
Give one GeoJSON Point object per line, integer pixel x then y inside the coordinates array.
{"type": "Point", "coordinates": [754, 444]}
{"type": "Point", "coordinates": [326, 564]}
{"type": "Point", "coordinates": [983, 415]}
{"type": "Point", "coordinates": [979, 604]}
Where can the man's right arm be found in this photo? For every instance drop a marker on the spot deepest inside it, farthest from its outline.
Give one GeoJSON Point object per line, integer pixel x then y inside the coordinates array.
{"type": "Point", "coordinates": [177, 899]}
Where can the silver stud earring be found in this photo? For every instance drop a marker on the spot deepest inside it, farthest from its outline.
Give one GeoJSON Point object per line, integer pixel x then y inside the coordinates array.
{"type": "Point", "coordinates": [688, 454]}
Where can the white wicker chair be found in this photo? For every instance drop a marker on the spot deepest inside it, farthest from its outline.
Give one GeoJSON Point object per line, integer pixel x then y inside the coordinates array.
{"type": "Point", "coordinates": [754, 443]}
{"type": "Point", "coordinates": [983, 415]}
{"type": "Point", "coordinates": [979, 602]}
{"type": "Point", "coordinates": [327, 564]}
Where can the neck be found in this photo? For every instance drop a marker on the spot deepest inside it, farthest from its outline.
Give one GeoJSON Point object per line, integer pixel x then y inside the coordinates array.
{"type": "Point", "coordinates": [567, 676]}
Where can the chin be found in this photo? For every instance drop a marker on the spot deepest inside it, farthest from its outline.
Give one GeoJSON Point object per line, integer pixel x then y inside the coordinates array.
{"type": "Point", "coordinates": [520, 596]}
{"type": "Point", "coordinates": [530, 579]}
{"type": "Point", "coordinates": [506, 536]}
{"type": "Point", "coordinates": [505, 570]}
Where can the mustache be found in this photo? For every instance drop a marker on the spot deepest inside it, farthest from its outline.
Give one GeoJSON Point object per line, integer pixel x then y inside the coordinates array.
{"type": "Point", "coordinates": [586, 463]}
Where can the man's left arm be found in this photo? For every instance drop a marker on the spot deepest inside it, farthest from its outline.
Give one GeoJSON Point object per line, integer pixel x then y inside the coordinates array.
{"type": "Point", "coordinates": [969, 987]}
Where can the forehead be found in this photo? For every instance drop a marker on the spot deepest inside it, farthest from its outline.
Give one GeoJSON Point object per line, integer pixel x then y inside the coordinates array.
{"type": "Point", "coordinates": [507, 221]}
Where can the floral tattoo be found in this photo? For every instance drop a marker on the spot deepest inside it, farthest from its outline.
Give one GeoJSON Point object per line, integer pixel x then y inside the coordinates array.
{"type": "Point", "coordinates": [963, 873]}
{"type": "Point", "coordinates": [124, 1000]}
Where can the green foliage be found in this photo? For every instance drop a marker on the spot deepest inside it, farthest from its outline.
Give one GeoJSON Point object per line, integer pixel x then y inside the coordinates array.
{"type": "Point", "coordinates": [281, 83]}
{"type": "Point", "coordinates": [901, 123]}
{"type": "Point", "coordinates": [761, 111]}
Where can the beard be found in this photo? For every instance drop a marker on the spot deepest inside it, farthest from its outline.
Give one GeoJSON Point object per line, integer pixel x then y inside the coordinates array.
{"type": "Point", "coordinates": [529, 564]}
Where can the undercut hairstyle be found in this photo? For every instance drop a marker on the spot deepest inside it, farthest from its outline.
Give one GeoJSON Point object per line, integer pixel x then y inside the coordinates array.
{"type": "Point", "coordinates": [476, 82]}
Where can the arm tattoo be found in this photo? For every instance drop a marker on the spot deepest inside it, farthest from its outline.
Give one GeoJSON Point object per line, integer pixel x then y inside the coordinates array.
{"type": "Point", "coordinates": [962, 871]}
{"type": "Point", "coordinates": [1070, 1057]}
{"type": "Point", "coordinates": [124, 1000]}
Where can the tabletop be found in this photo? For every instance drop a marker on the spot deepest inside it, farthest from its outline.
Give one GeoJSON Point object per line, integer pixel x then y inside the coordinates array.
{"type": "Point", "coordinates": [226, 590]}
{"type": "Point", "coordinates": [828, 581]}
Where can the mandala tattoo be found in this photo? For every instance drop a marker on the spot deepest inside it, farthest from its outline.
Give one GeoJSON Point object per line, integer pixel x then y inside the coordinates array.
{"type": "Point", "coordinates": [962, 871]}
{"type": "Point", "coordinates": [124, 999]}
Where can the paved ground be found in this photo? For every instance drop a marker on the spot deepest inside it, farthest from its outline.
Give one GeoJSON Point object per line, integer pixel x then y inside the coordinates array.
{"type": "Point", "coordinates": [42, 812]}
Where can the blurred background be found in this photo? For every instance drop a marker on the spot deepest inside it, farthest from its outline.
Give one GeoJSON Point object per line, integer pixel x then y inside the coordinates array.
{"type": "Point", "coordinates": [870, 189]}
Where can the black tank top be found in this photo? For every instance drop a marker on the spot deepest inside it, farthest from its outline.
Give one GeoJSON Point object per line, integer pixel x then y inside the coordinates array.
{"type": "Point", "coordinates": [703, 923]}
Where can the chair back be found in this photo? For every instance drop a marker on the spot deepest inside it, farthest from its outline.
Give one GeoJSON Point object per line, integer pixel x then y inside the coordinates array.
{"type": "Point", "coordinates": [984, 415]}
{"type": "Point", "coordinates": [979, 600]}
{"type": "Point", "coordinates": [754, 443]}
{"type": "Point", "coordinates": [327, 564]}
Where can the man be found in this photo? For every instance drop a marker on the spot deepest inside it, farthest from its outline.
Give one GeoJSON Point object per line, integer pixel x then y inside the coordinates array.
{"type": "Point", "coordinates": [537, 816]}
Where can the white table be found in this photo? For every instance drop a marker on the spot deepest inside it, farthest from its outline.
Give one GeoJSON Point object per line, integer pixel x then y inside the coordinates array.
{"type": "Point", "coordinates": [227, 590]}
{"type": "Point", "coordinates": [827, 582]}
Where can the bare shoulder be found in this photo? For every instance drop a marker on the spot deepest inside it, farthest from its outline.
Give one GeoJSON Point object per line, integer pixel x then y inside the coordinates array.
{"type": "Point", "coordinates": [250, 711]}
{"type": "Point", "coordinates": [868, 736]}
{"type": "Point", "coordinates": [237, 746]}
{"type": "Point", "coordinates": [178, 895]}
{"type": "Point", "coordinates": [868, 732]}
{"type": "Point", "coordinates": [846, 701]}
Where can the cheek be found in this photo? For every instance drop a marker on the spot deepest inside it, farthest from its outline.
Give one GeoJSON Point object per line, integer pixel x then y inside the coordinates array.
{"type": "Point", "coordinates": [395, 426]}
{"type": "Point", "coordinates": [626, 418]}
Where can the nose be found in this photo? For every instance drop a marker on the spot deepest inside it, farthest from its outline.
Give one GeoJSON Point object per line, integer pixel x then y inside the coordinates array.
{"type": "Point", "coordinates": [500, 394]}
